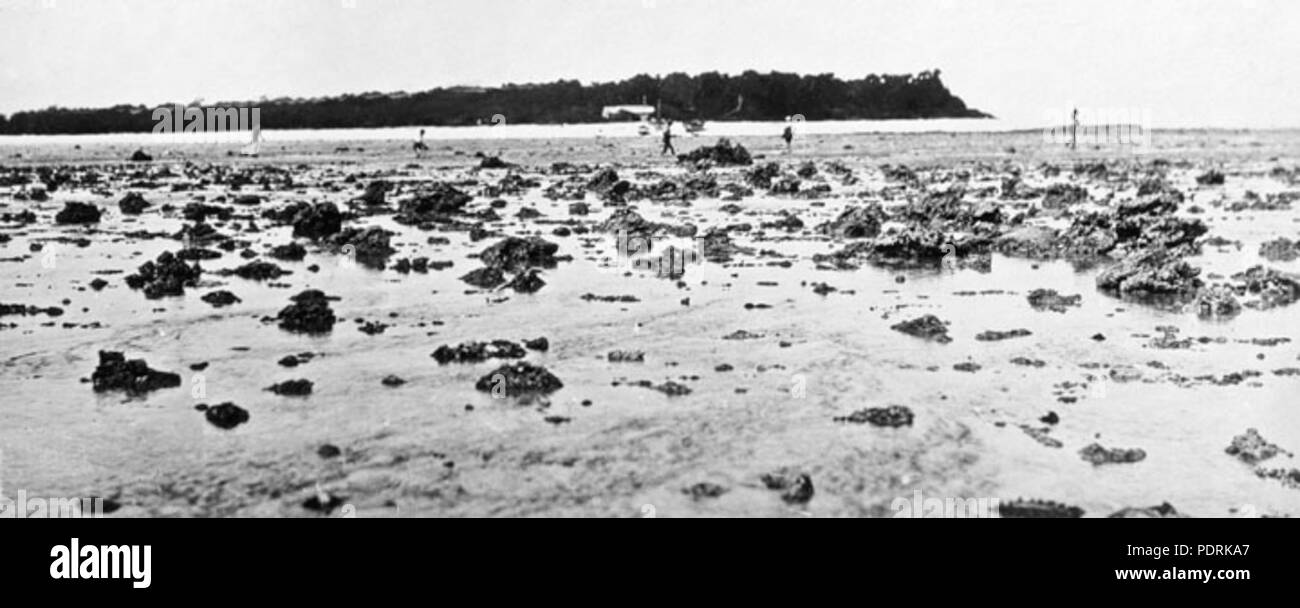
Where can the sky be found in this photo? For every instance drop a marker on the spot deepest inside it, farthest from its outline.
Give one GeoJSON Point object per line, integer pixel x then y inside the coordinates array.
{"type": "Point", "coordinates": [1223, 63]}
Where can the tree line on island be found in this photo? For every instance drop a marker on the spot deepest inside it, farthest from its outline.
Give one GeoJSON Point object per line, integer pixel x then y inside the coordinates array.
{"type": "Point", "coordinates": [709, 97]}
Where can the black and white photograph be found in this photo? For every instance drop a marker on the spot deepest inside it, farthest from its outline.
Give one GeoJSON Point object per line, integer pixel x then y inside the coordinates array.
{"type": "Point", "coordinates": [650, 259]}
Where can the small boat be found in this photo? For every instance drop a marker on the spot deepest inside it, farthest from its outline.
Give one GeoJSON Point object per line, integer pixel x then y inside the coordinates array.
{"type": "Point", "coordinates": [253, 148]}
{"type": "Point", "coordinates": [643, 130]}
{"type": "Point", "coordinates": [694, 126]}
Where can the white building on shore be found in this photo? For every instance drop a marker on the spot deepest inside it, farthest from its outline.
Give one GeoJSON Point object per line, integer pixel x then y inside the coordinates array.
{"type": "Point", "coordinates": [642, 112]}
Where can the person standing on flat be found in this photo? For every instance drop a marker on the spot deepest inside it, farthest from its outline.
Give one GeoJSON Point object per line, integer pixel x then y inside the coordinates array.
{"type": "Point", "coordinates": [668, 140]}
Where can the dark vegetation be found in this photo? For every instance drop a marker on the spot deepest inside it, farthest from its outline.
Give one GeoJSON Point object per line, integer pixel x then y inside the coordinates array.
{"type": "Point", "coordinates": [708, 96]}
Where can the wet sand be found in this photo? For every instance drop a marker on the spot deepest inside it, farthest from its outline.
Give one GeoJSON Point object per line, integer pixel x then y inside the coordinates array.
{"type": "Point", "coordinates": [602, 445]}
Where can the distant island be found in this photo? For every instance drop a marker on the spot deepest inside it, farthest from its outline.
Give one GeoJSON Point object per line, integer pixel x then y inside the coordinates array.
{"type": "Point", "coordinates": [708, 97]}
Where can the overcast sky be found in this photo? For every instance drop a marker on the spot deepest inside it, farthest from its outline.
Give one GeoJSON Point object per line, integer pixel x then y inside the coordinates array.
{"type": "Point", "coordinates": [1191, 62]}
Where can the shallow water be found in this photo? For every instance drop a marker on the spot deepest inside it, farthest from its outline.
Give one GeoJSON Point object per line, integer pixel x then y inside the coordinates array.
{"type": "Point", "coordinates": [632, 451]}
{"type": "Point", "coordinates": [503, 129]}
